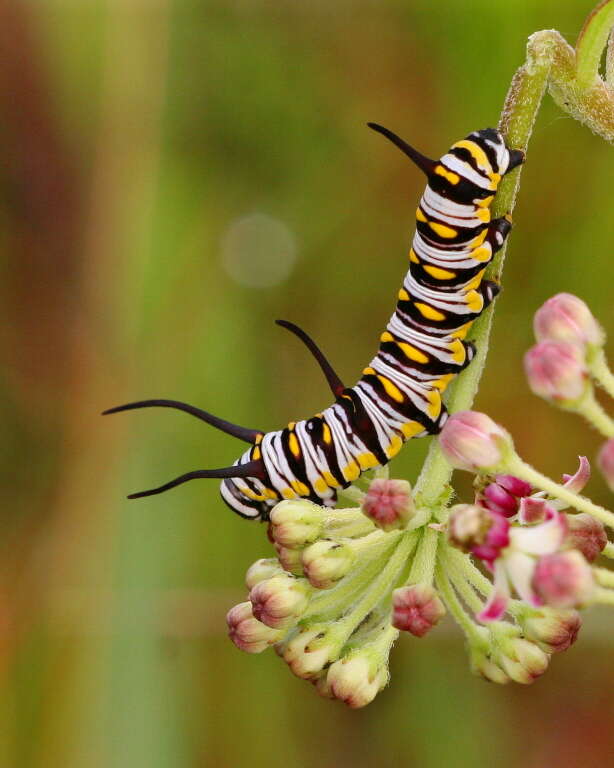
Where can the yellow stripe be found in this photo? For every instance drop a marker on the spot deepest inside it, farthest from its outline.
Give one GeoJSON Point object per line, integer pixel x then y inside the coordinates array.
{"type": "Point", "coordinates": [326, 433]}
{"type": "Point", "coordinates": [411, 428]}
{"type": "Point", "coordinates": [462, 331]}
{"type": "Point", "coordinates": [351, 471]}
{"type": "Point", "coordinates": [386, 336]}
{"type": "Point", "coordinates": [483, 214]}
{"type": "Point", "coordinates": [395, 446]}
{"type": "Point", "coordinates": [458, 351]}
{"type": "Point", "coordinates": [391, 389]}
{"type": "Point", "coordinates": [438, 273]}
{"type": "Point", "coordinates": [413, 257]}
{"type": "Point", "coordinates": [269, 493]}
{"type": "Point", "coordinates": [256, 453]}
{"type": "Point", "coordinates": [367, 460]}
{"type": "Point", "coordinates": [475, 282]}
{"type": "Point", "coordinates": [419, 215]}
{"type": "Point", "coordinates": [403, 295]}
{"type": "Point", "coordinates": [288, 493]}
{"type": "Point", "coordinates": [443, 381]}
{"type": "Point", "coordinates": [452, 177]}
{"type": "Point", "coordinates": [434, 403]}
{"type": "Point", "coordinates": [294, 446]}
{"type": "Point", "coordinates": [442, 230]}
{"type": "Point", "coordinates": [429, 312]}
{"type": "Point", "coordinates": [483, 253]}
{"type": "Point", "coordinates": [412, 353]}
{"type": "Point", "coordinates": [368, 372]}
{"type": "Point", "coordinates": [485, 202]}
{"type": "Point", "coordinates": [474, 301]}
{"type": "Point", "coordinates": [300, 488]}
{"type": "Point", "coordinates": [331, 480]}
{"type": "Point", "coordinates": [479, 239]}
{"type": "Point", "coordinates": [320, 485]}
{"type": "Point", "coordinates": [477, 153]}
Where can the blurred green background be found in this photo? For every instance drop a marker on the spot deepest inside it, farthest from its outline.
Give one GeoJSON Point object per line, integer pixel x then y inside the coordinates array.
{"type": "Point", "coordinates": [175, 175]}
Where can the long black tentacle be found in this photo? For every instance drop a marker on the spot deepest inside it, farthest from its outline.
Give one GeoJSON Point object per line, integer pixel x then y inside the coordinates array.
{"type": "Point", "coordinates": [243, 433]}
{"type": "Point", "coordinates": [251, 469]}
{"type": "Point", "coordinates": [425, 164]}
{"type": "Point", "coordinates": [334, 382]}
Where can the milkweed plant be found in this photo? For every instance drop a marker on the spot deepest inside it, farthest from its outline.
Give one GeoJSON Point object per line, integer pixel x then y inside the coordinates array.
{"type": "Point", "coordinates": [515, 564]}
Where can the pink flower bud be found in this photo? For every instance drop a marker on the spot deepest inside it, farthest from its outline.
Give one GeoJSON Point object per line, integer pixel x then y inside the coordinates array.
{"type": "Point", "coordinates": [554, 630]}
{"type": "Point", "coordinates": [260, 570]}
{"type": "Point", "coordinates": [567, 318]}
{"type": "Point", "coordinates": [325, 562]}
{"type": "Point", "coordinates": [416, 609]}
{"type": "Point", "coordinates": [246, 632]}
{"type": "Point", "coordinates": [504, 494]}
{"type": "Point", "coordinates": [563, 579]}
{"type": "Point", "coordinates": [279, 601]}
{"type": "Point", "coordinates": [353, 681]}
{"type": "Point", "coordinates": [472, 441]}
{"type": "Point", "coordinates": [389, 503]}
{"type": "Point", "coordinates": [605, 461]}
{"type": "Point", "coordinates": [475, 529]}
{"type": "Point", "coordinates": [308, 652]}
{"type": "Point", "coordinates": [586, 534]}
{"type": "Point", "coordinates": [296, 523]}
{"type": "Point", "coordinates": [556, 371]}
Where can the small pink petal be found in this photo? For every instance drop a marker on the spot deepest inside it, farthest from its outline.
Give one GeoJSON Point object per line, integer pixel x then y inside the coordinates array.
{"type": "Point", "coordinates": [499, 597]}
{"type": "Point", "coordinates": [514, 485]}
{"type": "Point", "coordinates": [520, 568]}
{"type": "Point", "coordinates": [532, 510]}
{"type": "Point", "coordinates": [576, 483]}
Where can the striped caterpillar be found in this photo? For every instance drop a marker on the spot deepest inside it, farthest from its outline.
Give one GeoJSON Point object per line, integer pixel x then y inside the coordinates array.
{"type": "Point", "coordinates": [423, 347]}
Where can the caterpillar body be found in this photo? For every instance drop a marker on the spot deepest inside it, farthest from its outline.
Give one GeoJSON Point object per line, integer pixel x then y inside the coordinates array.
{"type": "Point", "coordinates": [399, 395]}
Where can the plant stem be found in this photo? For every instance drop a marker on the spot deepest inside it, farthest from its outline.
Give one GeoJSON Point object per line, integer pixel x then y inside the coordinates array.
{"type": "Point", "coordinates": [592, 411]}
{"type": "Point", "coordinates": [604, 577]}
{"type": "Point", "coordinates": [601, 372]}
{"type": "Point", "coordinates": [423, 565]}
{"type": "Point", "coordinates": [524, 471]}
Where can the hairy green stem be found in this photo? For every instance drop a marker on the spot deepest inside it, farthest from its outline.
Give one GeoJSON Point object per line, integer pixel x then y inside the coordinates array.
{"type": "Point", "coordinates": [592, 411]}
{"type": "Point", "coordinates": [600, 370]}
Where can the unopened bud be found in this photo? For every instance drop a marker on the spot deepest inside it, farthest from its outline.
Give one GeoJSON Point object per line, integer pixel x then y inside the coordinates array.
{"type": "Point", "coordinates": [484, 666]}
{"type": "Point", "coordinates": [325, 562]}
{"type": "Point", "coordinates": [563, 579]}
{"type": "Point", "coordinates": [389, 503]}
{"type": "Point", "coordinates": [523, 660]}
{"type": "Point", "coordinates": [473, 441]}
{"type": "Point", "coordinates": [354, 681]}
{"type": "Point", "coordinates": [586, 534]}
{"type": "Point", "coordinates": [416, 608]}
{"type": "Point", "coordinates": [567, 318]}
{"type": "Point", "coordinates": [309, 651]}
{"type": "Point", "coordinates": [605, 461]}
{"type": "Point", "coordinates": [296, 523]}
{"type": "Point", "coordinates": [260, 570]}
{"type": "Point", "coordinates": [475, 529]}
{"type": "Point", "coordinates": [246, 632]}
{"type": "Point", "coordinates": [553, 629]}
{"type": "Point", "coordinates": [556, 371]}
{"type": "Point", "coordinates": [504, 493]}
{"type": "Point", "coordinates": [279, 601]}
{"type": "Point", "coordinates": [290, 559]}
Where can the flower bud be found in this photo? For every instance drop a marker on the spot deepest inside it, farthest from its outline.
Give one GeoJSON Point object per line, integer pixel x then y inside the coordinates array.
{"type": "Point", "coordinates": [567, 318]}
{"type": "Point", "coordinates": [309, 651]}
{"type": "Point", "coordinates": [290, 559]}
{"type": "Point", "coordinates": [416, 609]}
{"type": "Point", "coordinates": [605, 461]}
{"type": "Point", "coordinates": [260, 570]}
{"type": "Point", "coordinates": [246, 632]}
{"type": "Point", "coordinates": [279, 601]}
{"type": "Point", "coordinates": [472, 441]}
{"type": "Point", "coordinates": [556, 371]}
{"type": "Point", "coordinates": [523, 660]}
{"type": "Point", "coordinates": [586, 534]}
{"type": "Point", "coordinates": [296, 523]}
{"type": "Point", "coordinates": [563, 579]}
{"type": "Point", "coordinates": [389, 503]}
{"type": "Point", "coordinates": [554, 630]}
{"type": "Point", "coordinates": [325, 562]}
{"type": "Point", "coordinates": [503, 495]}
{"type": "Point", "coordinates": [484, 666]}
{"type": "Point", "coordinates": [476, 529]}
{"type": "Point", "coordinates": [354, 681]}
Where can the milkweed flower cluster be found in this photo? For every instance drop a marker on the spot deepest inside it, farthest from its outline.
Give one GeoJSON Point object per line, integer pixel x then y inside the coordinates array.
{"type": "Point", "coordinates": [347, 582]}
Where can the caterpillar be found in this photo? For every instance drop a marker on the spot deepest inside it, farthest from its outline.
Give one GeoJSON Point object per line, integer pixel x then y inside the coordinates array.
{"type": "Point", "coordinates": [399, 395]}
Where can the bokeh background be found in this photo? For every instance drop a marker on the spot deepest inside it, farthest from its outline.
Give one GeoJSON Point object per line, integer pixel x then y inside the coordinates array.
{"type": "Point", "coordinates": [175, 175]}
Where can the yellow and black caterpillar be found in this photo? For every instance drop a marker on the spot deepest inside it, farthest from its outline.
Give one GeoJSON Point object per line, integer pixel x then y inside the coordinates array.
{"type": "Point", "coordinates": [399, 394]}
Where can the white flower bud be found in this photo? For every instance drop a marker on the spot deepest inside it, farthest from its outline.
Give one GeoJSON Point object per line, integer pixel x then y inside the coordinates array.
{"type": "Point", "coordinates": [296, 523]}
{"type": "Point", "coordinates": [325, 562]}
{"type": "Point", "coordinates": [354, 680]}
{"type": "Point", "coordinates": [279, 601]}
{"type": "Point", "coordinates": [309, 651]}
{"type": "Point", "coordinates": [246, 632]}
{"type": "Point", "coordinates": [262, 569]}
